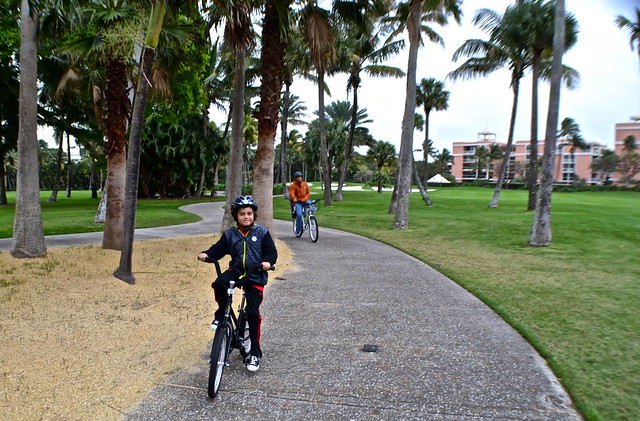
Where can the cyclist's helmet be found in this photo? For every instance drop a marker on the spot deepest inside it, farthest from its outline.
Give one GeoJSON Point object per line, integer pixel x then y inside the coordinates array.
{"type": "Point", "coordinates": [242, 202]}
{"type": "Point", "coordinates": [297, 174]}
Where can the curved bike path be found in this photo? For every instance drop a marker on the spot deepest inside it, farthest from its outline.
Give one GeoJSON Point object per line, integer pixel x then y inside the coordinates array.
{"type": "Point", "coordinates": [442, 354]}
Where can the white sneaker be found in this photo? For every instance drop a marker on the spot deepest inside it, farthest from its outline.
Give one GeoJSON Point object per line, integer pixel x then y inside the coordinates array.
{"type": "Point", "coordinates": [214, 325]}
{"type": "Point", "coordinates": [254, 363]}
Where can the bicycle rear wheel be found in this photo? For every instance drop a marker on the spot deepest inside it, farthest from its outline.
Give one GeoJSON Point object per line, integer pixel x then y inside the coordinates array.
{"type": "Point", "coordinates": [313, 228]}
{"type": "Point", "coordinates": [219, 351]}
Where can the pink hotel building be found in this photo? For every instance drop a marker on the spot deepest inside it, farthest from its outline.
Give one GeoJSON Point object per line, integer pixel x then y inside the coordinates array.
{"type": "Point", "coordinates": [567, 166]}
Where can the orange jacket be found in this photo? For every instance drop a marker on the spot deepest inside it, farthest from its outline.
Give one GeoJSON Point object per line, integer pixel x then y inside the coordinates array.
{"type": "Point", "coordinates": [299, 191]}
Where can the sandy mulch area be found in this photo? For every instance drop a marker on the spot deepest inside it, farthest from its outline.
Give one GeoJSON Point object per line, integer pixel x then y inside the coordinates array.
{"type": "Point", "coordinates": [78, 344]}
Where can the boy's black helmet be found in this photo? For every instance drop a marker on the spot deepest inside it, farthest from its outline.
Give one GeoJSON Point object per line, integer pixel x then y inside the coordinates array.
{"type": "Point", "coordinates": [297, 174]}
{"type": "Point", "coordinates": [243, 202]}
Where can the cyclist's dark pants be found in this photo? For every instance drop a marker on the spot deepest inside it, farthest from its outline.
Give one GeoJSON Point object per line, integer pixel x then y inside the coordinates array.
{"type": "Point", "coordinates": [254, 294]}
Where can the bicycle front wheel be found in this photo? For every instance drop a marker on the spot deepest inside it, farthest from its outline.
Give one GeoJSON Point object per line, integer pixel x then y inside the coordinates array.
{"type": "Point", "coordinates": [313, 228]}
{"type": "Point", "coordinates": [219, 351]}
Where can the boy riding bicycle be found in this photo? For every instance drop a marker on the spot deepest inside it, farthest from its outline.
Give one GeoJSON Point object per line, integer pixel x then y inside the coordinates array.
{"type": "Point", "coordinates": [249, 245]}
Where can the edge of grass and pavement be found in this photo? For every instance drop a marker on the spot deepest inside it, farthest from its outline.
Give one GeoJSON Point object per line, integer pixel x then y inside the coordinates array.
{"type": "Point", "coordinates": [575, 301]}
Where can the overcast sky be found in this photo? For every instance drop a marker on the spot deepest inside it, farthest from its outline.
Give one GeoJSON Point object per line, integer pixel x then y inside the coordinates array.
{"type": "Point", "coordinates": [608, 93]}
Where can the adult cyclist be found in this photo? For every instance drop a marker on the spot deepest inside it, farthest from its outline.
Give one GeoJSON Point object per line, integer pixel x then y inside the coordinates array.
{"type": "Point", "coordinates": [299, 195]}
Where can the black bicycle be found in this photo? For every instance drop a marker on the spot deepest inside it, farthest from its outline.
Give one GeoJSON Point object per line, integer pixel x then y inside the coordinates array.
{"type": "Point", "coordinates": [232, 333]}
{"type": "Point", "coordinates": [309, 221]}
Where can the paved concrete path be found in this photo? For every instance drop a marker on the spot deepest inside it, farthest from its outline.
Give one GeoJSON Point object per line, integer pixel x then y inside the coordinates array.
{"type": "Point", "coordinates": [443, 355]}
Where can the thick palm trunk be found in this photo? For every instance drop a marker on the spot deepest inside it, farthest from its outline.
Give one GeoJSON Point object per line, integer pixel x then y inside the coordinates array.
{"type": "Point", "coordinates": [504, 167]}
{"type": "Point", "coordinates": [324, 150]}
{"type": "Point", "coordinates": [234, 167]}
{"type": "Point", "coordinates": [28, 232]}
{"type": "Point", "coordinates": [115, 149]}
{"type": "Point", "coordinates": [272, 73]}
{"type": "Point", "coordinates": [540, 234]}
{"type": "Point", "coordinates": [401, 220]}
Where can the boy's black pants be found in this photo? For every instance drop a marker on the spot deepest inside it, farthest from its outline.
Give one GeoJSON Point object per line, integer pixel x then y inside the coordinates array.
{"type": "Point", "coordinates": [254, 294]}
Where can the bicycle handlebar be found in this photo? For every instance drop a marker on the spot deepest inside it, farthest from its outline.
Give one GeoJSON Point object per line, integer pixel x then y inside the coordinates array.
{"type": "Point", "coordinates": [245, 278]}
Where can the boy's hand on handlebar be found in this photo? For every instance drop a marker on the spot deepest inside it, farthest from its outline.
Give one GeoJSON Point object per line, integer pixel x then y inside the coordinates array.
{"type": "Point", "coordinates": [265, 265]}
{"type": "Point", "coordinates": [203, 257]}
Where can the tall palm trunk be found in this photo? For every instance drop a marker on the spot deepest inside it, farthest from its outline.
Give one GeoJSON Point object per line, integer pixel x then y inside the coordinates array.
{"type": "Point", "coordinates": [284, 138]}
{"type": "Point", "coordinates": [324, 150]}
{"type": "Point", "coordinates": [234, 167]}
{"type": "Point", "coordinates": [426, 146]}
{"type": "Point", "coordinates": [156, 21]}
{"type": "Point", "coordinates": [504, 167]}
{"type": "Point", "coordinates": [205, 133]}
{"type": "Point", "coordinates": [532, 170]}
{"type": "Point", "coordinates": [272, 74]}
{"type": "Point", "coordinates": [423, 191]}
{"type": "Point", "coordinates": [115, 149]}
{"type": "Point", "coordinates": [342, 173]}
{"type": "Point", "coordinates": [401, 220]}
{"type": "Point", "coordinates": [540, 234]}
{"type": "Point", "coordinates": [133, 167]}
{"type": "Point", "coordinates": [69, 163]}
{"type": "Point", "coordinates": [28, 232]}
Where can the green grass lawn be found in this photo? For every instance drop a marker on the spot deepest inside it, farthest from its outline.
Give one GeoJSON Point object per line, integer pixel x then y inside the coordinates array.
{"type": "Point", "coordinates": [576, 301]}
{"type": "Point", "coordinates": [77, 213]}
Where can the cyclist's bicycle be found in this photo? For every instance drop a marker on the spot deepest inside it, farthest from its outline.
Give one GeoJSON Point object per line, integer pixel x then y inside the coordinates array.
{"type": "Point", "coordinates": [232, 333]}
{"type": "Point", "coordinates": [309, 221]}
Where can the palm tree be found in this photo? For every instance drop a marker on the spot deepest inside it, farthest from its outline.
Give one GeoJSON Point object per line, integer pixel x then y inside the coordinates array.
{"type": "Point", "coordinates": [292, 110]}
{"type": "Point", "coordinates": [381, 154]}
{"type": "Point", "coordinates": [538, 30]}
{"type": "Point", "coordinates": [432, 96]}
{"type": "Point", "coordinates": [495, 153]}
{"type": "Point", "coordinates": [363, 35]}
{"type": "Point", "coordinates": [570, 131]}
{"type": "Point", "coordinates": [238, 35]}
{"type": "Point", "coordinates": [156, 21]}
{"type": "Point", "coordinates": [629, 164]}
{"type": "Point", "coordinates": [481, 156]}
{"type": "Point", "coordinates": [633, 28]}
{"type": "Point", "coordinates": [109, 17]}
{"type": "Point", "coordinates": [276, 13]}
{"type": "Point", "coordinates": [504, 48]}
{"type": "Point", "coordinates": [411, 16]}
{"type": "Point", "coordinates": [320, 39]}
{"type": "Point", "coordinates": [442, 162]}
{"type": "Point", "coordinates": [605, 164]}
{"type": "Point", "coordinates": [28, 231]}
{"type": "Point", "coordinates": [540, 234]}
{"type": "Point", "coordinates": [419, 124]}
{"type": "Point", "coordinates": [10, 82]}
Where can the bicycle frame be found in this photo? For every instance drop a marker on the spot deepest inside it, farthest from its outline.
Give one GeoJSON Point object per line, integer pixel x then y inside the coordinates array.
{"type": "Point", "coordinates": [309, 222]}
{"type": "Point", "coordinates": [231, 333]}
